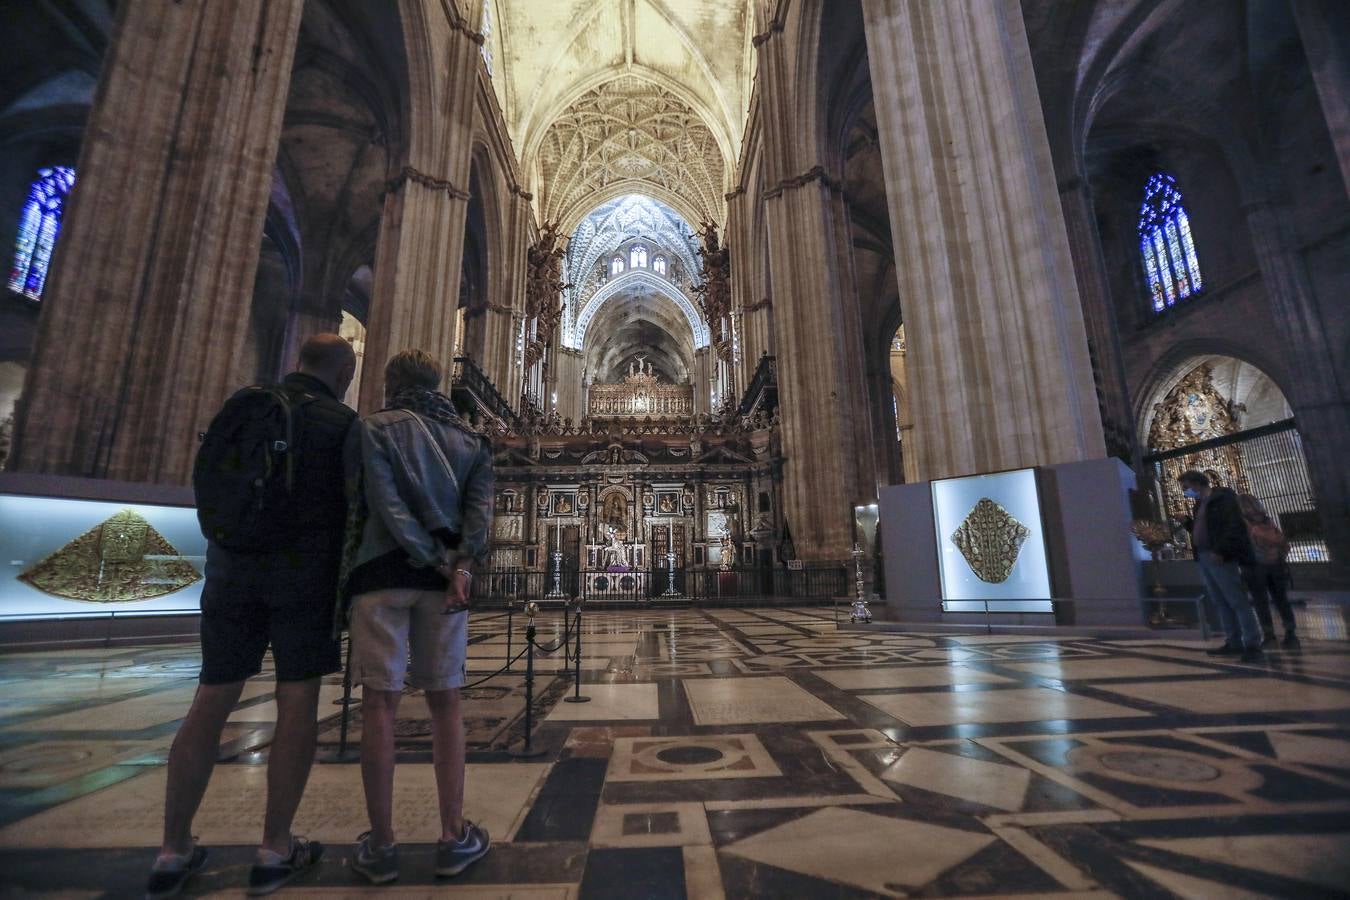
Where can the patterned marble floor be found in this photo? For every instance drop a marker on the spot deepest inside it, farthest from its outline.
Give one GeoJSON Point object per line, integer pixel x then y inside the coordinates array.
{"type": "Point", "coordinates": [740, 753]}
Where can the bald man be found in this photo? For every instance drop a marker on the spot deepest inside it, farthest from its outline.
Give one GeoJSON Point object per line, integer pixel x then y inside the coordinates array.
{"type": "Point", "coordinates": [280, 597]}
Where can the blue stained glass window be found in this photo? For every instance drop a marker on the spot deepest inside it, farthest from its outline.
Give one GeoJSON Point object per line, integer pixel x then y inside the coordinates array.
{"type": "Point", "coordinates": [39, 225]}
{"type": "Point", "coordinates": [1170, 263]}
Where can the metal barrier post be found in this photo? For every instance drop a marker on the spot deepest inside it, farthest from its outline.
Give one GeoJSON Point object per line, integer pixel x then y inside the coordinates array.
{"type": "Point", "coordinates": [576, 662]}
{"type": "Point", "coordinates": [527, 750]}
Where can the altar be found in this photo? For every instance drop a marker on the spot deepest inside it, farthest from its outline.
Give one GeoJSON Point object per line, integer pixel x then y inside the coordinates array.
{"type": "Point", "coordinates": [631, 585]}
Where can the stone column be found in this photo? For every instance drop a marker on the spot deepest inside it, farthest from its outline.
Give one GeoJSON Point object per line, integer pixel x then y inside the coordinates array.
{"type": "Point", "coordinates": [501, 325]}
{"type": "Point", "coordinates": [1325, 30]}
{"type": "Point", "coordinates": [822, 390]}
{"type": "Point", "coordinates": [999, 376]}
{"type": "Point", "coordinates": [421, 243]}
{"type": "Point", "coordinates": [1099, 315]}
{"type": "Point", "coordinates": [1320, 399]}
{"type": "Point", "coordinates": [147, 308]}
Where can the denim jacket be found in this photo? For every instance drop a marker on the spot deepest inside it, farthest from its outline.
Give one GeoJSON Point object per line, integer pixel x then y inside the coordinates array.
{"type": "Point", "coordinates": [409, 493]}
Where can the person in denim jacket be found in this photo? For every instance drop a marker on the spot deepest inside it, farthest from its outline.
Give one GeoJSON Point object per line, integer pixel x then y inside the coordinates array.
{"type": "Point", "coordinates": [422, 483]}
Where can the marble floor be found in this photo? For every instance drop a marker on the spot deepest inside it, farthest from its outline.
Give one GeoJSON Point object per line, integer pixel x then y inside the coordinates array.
{"type": "Point", "coordinates": [737, 753]}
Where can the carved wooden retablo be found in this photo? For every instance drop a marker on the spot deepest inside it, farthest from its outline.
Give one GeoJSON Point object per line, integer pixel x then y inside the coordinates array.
{"type": "Point", "coordinates": [122, 560]}
{"type": "Point", "coordinates": [990, 539]}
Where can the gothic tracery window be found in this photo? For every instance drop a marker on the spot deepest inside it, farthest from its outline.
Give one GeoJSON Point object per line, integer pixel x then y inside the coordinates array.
{"type": "Point", "coordinates": [39, 225]}
{"type": "Point", "coordinates": [616, 266]}
{"type": "Point", "coordinates": [659, 264]}
{"type": "Point", "coordinates": [637, 258]}
{"type": "Point", "coordinates": [1166, 245]}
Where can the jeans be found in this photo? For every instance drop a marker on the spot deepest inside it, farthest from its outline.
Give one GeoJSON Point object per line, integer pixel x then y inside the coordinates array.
{"type": "Point", "coordinates": [1267, 583]}
{"type": "Point", "coordinates": [1223, 584]}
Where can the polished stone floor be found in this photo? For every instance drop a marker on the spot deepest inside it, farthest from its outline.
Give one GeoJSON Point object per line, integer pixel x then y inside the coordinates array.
{"type": "Point", "coordinates": [739, 753]}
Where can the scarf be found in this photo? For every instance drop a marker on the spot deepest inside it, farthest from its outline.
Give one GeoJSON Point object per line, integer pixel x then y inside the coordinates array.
{"type": "Point", "coordinates": [420, 401]}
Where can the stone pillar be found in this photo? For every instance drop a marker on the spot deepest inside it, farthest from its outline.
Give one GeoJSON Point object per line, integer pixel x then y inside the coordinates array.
{"type": "Point", "coordinates": [998, 368]}
{"type": "Point", "coordinates": [502, 324]}
{"type": "Point", "coordinates": [421, 243]}
{"type": "Point", "coordinates": [147, 309]}
{"type": "Point", "coordinates": [1319, 398]}
{"type": "Point", "coordinates": [1325, 30]}
{"type": "Point", "coordinates": [822, 391]}
{"type": "Point", "coordinates": [1099, 315]}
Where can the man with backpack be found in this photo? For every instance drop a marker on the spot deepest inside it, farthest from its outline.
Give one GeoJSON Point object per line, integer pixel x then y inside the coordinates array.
{"type": "Point", "coordinates": [1222, 547]}
{"type": "Point", "coordinates": [270, 492]}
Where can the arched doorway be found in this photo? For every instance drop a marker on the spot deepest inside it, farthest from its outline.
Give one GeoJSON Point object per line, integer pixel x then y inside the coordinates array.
{"type": "Point", "coordinates": [1228, 418]}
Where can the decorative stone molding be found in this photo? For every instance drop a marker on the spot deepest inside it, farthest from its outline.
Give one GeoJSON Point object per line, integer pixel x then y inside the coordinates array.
{"type": "Point", "coordinates": [815, 173]}
{"type": "Point", "coordinates": [427, 181]}
{"type": "Point", "coordinates": [629, 130]}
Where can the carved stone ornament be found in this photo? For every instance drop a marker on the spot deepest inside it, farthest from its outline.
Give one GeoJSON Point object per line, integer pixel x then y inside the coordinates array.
{"type": "Point", "coordinates": [120, 561]}
{"type": "Point", "coordinates": [990, 539]}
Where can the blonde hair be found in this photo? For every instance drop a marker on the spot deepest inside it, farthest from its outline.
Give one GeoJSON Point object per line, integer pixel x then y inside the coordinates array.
{"type": "Point", "coordinates": [412, 368]}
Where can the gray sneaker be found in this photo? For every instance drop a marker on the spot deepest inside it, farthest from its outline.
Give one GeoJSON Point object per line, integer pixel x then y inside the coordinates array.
{"type": "Point", "coordinates": [453, 857]}
{"type": "Point", "coordinates": [378, 865]}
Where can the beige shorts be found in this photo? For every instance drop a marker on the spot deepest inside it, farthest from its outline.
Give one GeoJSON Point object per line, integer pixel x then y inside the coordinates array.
{"type": "Point", "coordinates": [385, 625]}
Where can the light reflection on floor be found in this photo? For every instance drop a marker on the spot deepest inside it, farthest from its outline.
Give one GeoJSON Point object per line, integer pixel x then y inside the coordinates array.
{"type": "Point", "coordinates": [751, 752]}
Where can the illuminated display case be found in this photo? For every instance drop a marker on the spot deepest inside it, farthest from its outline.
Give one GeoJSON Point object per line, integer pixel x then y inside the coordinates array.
{"type": "Point", "coordinates": [991, 543]}
{"type": "Point", "coordinates": [65, 557]}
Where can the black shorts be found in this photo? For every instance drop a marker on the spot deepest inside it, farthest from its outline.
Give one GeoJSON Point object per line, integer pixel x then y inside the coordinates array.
{"type": "Point", "coordinates": [250, 603]}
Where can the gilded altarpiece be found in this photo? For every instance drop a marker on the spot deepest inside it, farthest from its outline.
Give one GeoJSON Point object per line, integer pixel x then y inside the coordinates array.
{"type": "Point", "coordinates": [1193, 412]}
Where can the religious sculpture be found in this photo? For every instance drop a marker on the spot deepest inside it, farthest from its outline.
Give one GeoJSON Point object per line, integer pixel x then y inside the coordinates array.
{"type": "Point", "coordinates": [714, 292]}
{"type": "Point", "coordinates": [543, 291]}
{"type": "Point", "coordinates": [616, 553]}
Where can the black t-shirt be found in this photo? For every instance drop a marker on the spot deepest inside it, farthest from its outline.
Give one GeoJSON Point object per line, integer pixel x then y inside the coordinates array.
{"type": "Point", "coordinates": [393, 571]}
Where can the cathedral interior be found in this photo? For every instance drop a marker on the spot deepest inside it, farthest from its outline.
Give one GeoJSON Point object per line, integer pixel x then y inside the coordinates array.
{"type": "Point", "coordinates": [838, 358]}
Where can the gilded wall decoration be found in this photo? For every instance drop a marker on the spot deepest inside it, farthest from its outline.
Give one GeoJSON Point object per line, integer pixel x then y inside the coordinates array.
{"type": "Point", "coordinates": [1192, 412]}
{"type": "Point", "coordinates": [990, 539]}
{"type": "Point", "coordinates": [122, 560]}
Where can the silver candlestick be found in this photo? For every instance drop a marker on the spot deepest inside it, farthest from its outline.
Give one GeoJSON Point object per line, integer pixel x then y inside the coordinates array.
{"type": "Point", "coordinates": [860, 612]}
{"type": "Point", "coordinates": [557, 591]}
{"type": "Point", "coordinates": [670, 575]}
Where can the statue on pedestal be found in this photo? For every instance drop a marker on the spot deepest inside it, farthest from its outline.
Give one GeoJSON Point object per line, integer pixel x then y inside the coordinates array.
{"type": "Point", "coordinates": [616, 553]}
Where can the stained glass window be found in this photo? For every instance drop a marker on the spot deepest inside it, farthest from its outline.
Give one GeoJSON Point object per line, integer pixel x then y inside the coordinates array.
{"type": "Point", "coordinates": [659, 264]}
{"type": "Point", "coordinates": [39, 225]}
{"type": "Point", "coordinates": [486, 31]}
{"type": "Point", "coordinates": [1165, 242]}
{"type": "Point", "coordinates": [616, 266]}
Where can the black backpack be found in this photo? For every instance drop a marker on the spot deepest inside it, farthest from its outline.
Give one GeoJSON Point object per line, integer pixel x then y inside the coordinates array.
{"type": "Point", "coordinates": [244, 475]}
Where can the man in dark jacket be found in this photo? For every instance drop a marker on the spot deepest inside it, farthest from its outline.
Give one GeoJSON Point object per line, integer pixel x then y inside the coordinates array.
{"type": "Point", "coordinates": [1222, 547]}
{"type": "Point", "coordinates": [282, 598]}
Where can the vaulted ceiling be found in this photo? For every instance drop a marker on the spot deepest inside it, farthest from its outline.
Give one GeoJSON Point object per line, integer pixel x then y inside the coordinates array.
{"type": "Point", "coordinates": [607, 97]}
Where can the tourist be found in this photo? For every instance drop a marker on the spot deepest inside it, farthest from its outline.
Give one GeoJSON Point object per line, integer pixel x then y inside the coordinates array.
{"type": "Point", "coordinates": [425, 480]}
{"type": "Point", "coordinates": [1268, 577]}
{"type": "Point", "coordinates": [274, 544]}
{"type": "Point", "coordinates": [1219, 537]}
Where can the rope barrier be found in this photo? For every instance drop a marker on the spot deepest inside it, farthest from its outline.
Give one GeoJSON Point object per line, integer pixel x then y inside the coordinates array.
{"type": "Point", "coordinates": [532, 609]}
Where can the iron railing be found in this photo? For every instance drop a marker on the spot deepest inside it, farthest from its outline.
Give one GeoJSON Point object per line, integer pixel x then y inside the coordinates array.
{"type": "Point", "coordinates": [1267, 462]}
{"type": "Point", "coordinates": [470, 381]}
{"type": "Point", "coordinates": [762, 394]}
{"type": "Point", "coordinates": [815, 582]}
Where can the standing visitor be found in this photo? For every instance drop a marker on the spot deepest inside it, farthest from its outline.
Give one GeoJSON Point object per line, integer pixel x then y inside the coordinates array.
{"type": "Point", "coordinates": [269, 486]}
{"type": "Point", "coordinates": [425, 479]}
{"type": "Point", "coordinates": [1268, 577]}
{"type": "Point", "coordinates": [1222, 547]}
